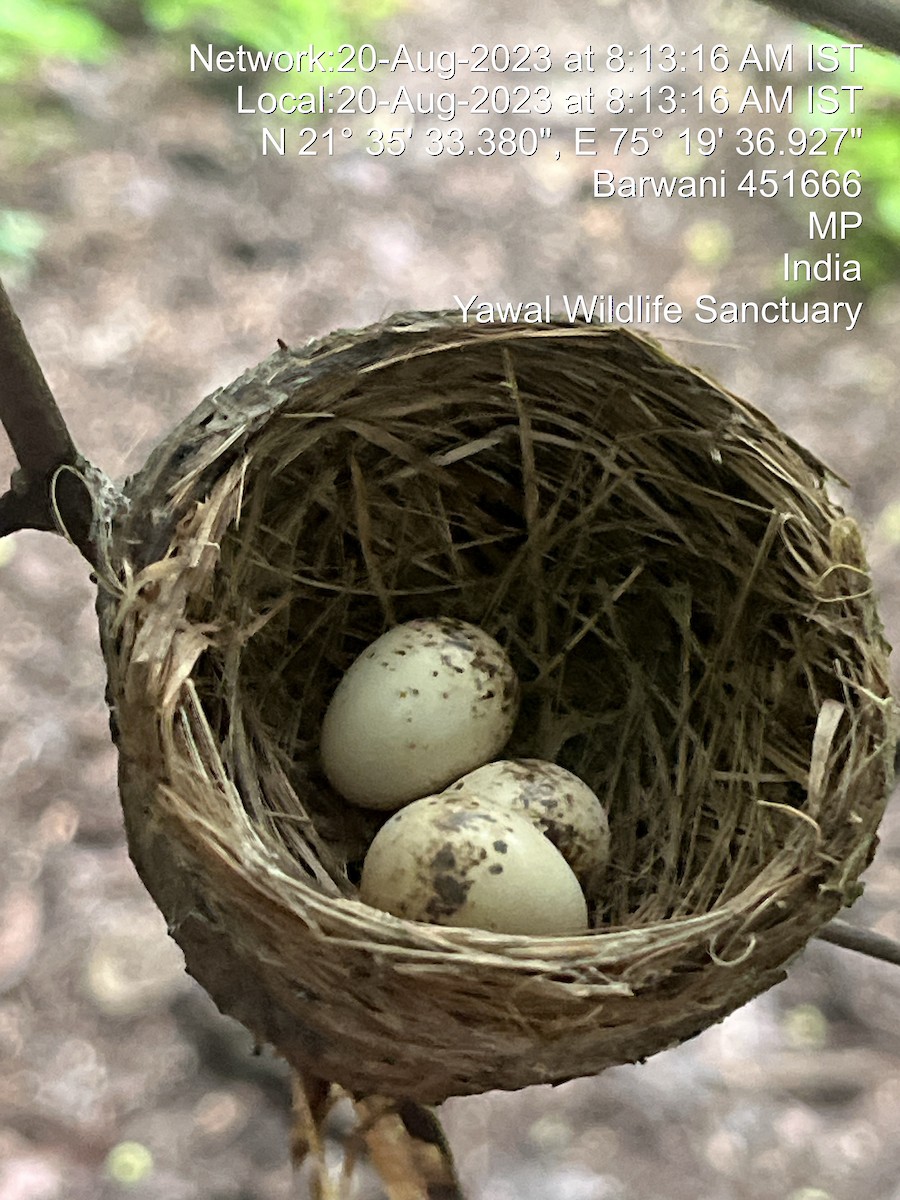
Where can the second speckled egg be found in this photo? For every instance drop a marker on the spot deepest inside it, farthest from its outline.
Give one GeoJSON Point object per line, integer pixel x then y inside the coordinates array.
{"type": "Point", "coordinates": [560, 804]}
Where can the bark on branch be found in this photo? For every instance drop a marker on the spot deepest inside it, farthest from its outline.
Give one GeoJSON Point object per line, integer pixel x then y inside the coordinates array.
{"type": "Point", "coordinates": [42, 492]}
{"type": "Point", "coordinates": [863, 941]}
{"type": "Point", "coordinates": [873, 22]}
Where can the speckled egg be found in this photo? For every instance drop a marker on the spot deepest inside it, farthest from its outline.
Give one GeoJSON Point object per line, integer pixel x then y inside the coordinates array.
{"type": "Point", "coordinates": [561, 805]}
{"type": "Point", "coordinates": [426, 702]}
{"type": "Point", "coordinates": [450, 860]}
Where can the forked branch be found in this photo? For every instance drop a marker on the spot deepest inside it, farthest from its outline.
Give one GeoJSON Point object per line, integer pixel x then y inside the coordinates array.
{"type": "Point", "coordinates": [42, 492]}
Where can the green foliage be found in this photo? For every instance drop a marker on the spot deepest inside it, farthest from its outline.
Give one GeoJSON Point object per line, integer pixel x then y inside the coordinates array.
{"type": "Point", "coordinates": [251, 22]}
{"type": "Point", "coordinates": [879, 162]}
{"type": "Point", "coordinates": [87, 30]}
{"type": "Point", "coordinates": [33, 28]}
{"type": "Point", "coordinates": [21, 233]}
{"type": "Point", "coordinates": [876, 155]}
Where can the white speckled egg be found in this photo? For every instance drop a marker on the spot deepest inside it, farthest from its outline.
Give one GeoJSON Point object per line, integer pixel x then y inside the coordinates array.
{"type": "Point", "coordinates": [450, 860]}
{"type": "Point", "coordinates": [426, 702]}
{"type": "Point", "coordinates": [560, 804]}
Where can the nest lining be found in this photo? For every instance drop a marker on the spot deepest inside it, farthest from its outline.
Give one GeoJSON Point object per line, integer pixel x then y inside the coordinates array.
{"type": "Point", "coordinates": [689, 614]}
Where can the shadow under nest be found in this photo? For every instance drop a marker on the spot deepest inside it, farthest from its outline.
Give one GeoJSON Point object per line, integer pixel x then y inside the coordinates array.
{"type": "Point", "coordinates": [690, 617]}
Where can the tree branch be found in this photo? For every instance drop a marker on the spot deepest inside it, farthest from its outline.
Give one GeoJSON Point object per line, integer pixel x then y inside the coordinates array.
{"type": "Point", "coordinates": [873, 22]}
{"type": "Point", "coordinates": [41, 442]}
{"type": "Point", "coordinates": [864, 941]}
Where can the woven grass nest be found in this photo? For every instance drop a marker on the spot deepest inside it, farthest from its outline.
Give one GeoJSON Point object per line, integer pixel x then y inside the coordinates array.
{"type": "Point", "coordinates": [690, 616]}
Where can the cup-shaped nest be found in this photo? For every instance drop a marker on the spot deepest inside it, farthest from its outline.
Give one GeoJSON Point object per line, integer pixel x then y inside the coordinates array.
{"type": "Point", "coordinates": [691, 619]}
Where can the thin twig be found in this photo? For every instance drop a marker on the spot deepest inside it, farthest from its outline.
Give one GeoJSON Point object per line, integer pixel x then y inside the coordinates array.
{"type": "Point", "coordinates": [864, 941]}
{"type": "Point", "coordinates": [408, 1149]}
{"type": "Point", "coordinates": [39, 493]}
{"type": "Point", "coordinates": [312, 1099]}
{"type": "Point", "coordinates": [872, 22]}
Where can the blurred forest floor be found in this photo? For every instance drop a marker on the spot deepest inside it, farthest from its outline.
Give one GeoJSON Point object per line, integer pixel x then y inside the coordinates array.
{"type": "Point", "coordinates": [172, 258]}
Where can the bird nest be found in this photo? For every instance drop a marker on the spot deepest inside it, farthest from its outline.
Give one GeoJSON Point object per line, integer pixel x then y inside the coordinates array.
{"type": "Point", "coordinates": [691, 619]}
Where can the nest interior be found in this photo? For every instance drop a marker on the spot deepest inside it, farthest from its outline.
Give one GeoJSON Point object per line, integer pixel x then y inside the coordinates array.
{"type": "Point", "coordinates": [691, 619]}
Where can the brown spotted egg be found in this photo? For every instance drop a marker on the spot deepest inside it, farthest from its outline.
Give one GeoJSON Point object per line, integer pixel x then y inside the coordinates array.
{"type": "Point", "coordinates": [558, 803]}
{"type": "Point", "coordinates": [450, 860]}
{"type": "Point", "coordinates": [426, 702]}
